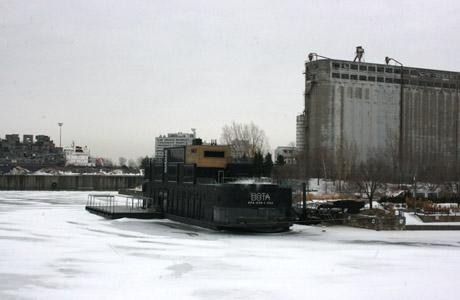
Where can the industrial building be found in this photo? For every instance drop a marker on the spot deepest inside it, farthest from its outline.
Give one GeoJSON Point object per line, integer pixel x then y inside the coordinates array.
{"type": "Point", "coordinates": [355, 110]}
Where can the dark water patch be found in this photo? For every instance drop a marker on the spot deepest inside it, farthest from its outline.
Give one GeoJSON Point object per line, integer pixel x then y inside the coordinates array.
{"type": "Point", "coordinates": [409, 244]}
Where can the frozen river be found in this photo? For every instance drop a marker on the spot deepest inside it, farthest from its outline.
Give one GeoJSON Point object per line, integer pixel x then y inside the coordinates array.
{"type": "Point", "coordinates": [51, 248]}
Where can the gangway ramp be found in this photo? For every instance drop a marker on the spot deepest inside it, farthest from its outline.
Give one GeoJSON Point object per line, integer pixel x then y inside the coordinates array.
{"type": "Point", "coordinates": [116, 206]}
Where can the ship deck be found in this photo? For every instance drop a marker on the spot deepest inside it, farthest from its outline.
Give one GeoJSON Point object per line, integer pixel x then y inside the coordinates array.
{"type": "Point", "coordinates": [121, 206]}
{"type": "Point", "coordinates": [118, 212]}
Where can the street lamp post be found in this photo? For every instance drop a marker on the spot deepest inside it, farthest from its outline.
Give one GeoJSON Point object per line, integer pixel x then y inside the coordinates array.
{"type": "Point", "coordinates": [60, 133]}
{"type": "Point", "coordinates": [401, 115]}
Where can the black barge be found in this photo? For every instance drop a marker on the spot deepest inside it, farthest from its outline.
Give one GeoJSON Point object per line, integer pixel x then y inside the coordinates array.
{"type": "Point", "coordinates": [198, 185]}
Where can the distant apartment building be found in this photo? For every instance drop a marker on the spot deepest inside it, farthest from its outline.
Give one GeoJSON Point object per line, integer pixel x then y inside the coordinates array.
{"type": "Point", "coordinates": [26, 153]}
{"type": "Point", "coordinates": [287, 152]}
{"type": "Point", "coordinates": [300, 132]}
{"type": "Point", "coordinates": [172, 140]}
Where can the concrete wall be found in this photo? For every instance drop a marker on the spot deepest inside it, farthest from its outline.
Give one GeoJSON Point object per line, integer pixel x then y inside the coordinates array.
{"type": "Point", "coordinates": [319, 118]}
{"type": "Point", "coordinates": [366, 116]}
{"type": "Point", "coordinates": [389, 222]}
{"type": "Point", "coordinates": [74, 182]}
{"type": "Point", "coordinates": [430, 126]}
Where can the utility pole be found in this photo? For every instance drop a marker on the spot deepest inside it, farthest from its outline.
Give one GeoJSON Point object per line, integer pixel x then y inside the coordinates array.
{"type": "Point", "coordinates": [304, 201]}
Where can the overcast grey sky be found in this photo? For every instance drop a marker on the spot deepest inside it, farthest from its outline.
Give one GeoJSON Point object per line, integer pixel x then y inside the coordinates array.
{"type": "Point", "coordinates": [119, 73]}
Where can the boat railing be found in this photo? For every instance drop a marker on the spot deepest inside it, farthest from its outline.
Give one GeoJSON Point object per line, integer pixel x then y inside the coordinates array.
{"type": "Point", "coordinates": [110, 203]}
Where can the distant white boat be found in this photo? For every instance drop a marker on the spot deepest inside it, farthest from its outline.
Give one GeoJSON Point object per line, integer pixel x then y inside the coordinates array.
{"type": "Point", "coordinates": [78, 156]}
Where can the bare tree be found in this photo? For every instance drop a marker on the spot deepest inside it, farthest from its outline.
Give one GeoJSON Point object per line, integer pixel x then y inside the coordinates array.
{"type": "Point", "coordinates": [244, 139]}
{"type": "Point", "coordinates": [320, 163]}
{"type": "Point", "coordinates": [371, 175]}
{"type": "Point", "coordinates": [434, 176]}
{"type": "Point", "coordinates": [348, 155]}
{"type": "Point", "coordinates": [107, 162]}
{"type": "Point", "coordinates": [122, 161]}
{"type": "Point", "coordinates": [291, 144]}
{"type": "Point", "coordinates": [300, 166]}
{"type": "Point", "coordinates": [132, 164]}
{"type": "Point", "coordinates": [391, 155]}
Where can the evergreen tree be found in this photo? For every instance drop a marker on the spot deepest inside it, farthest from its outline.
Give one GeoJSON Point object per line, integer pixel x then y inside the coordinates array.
{"type": "Point", "coordinates": [268, 165]}
{"type": "Point", "coordinates": [280, 160]}
{"type": "Point", "coordinates": [145, 163]}
{"type": "Point", "coordinates": [258, 164]}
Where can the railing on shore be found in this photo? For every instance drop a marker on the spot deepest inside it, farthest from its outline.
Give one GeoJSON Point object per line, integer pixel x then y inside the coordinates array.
{"type": "Point", "coordinates": [440, 213]}
{"type": "Point", "coordinates": [438, 217]}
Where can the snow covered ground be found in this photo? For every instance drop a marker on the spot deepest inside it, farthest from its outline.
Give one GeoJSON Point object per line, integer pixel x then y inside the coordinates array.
{"type": "Point", "coordinates": [51, 248]}
{"type": "Point", "coordinates": [412, 219]}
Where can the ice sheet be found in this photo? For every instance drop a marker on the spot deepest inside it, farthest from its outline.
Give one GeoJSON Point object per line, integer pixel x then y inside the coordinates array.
{"type": "Point", "coordinates": [51, 248]}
